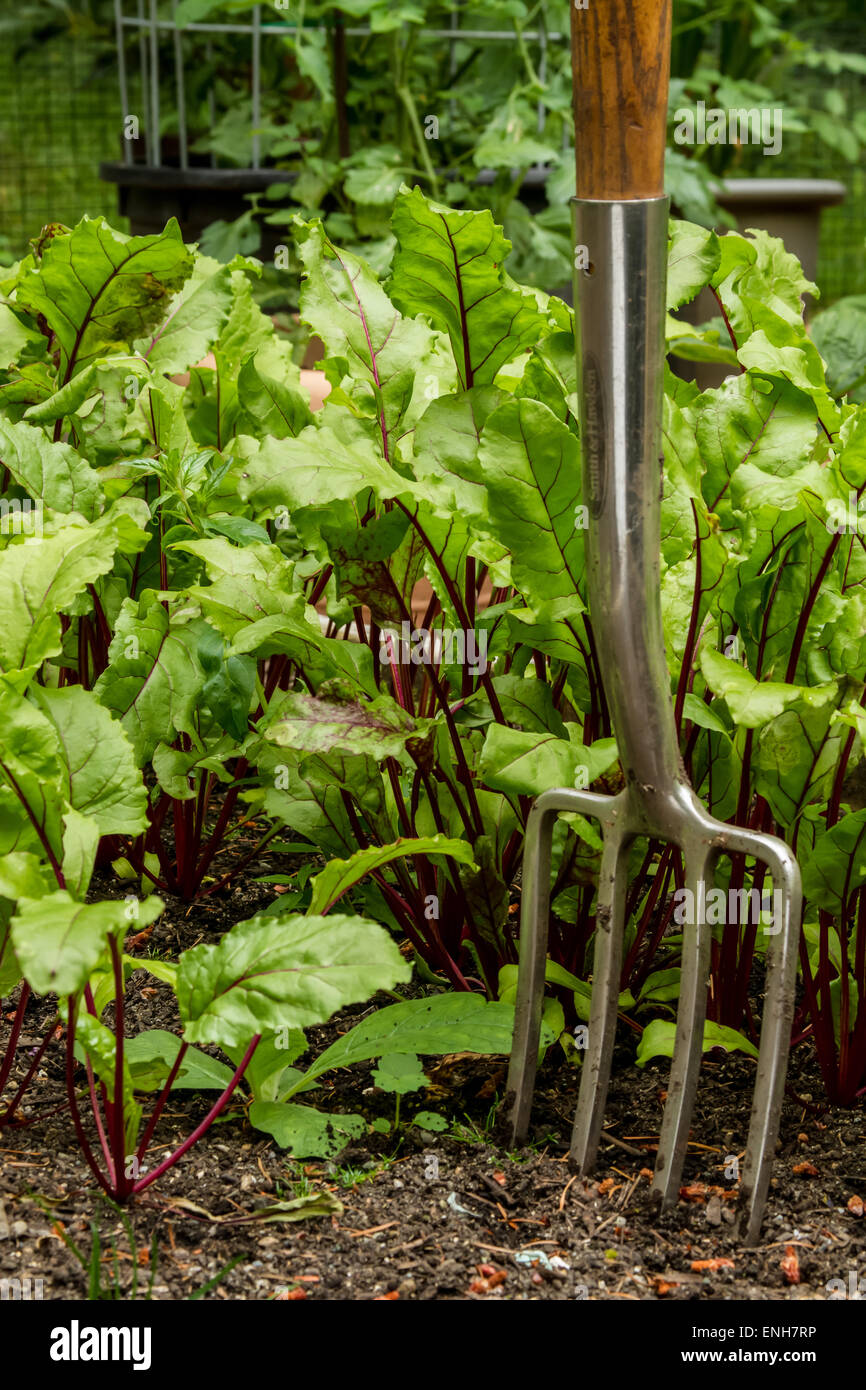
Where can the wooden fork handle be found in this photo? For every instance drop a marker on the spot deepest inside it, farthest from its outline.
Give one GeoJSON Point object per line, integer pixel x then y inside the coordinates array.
{"type": "Point", "coordinates": [621, 64]}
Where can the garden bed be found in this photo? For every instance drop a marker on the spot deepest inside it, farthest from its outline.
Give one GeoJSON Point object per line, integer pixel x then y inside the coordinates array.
{"type": "Point", "coordinates": [453, 1215]}
{"type": "Point", "coordinates": [303, 838]}
{"type": "Point", "coordinates": [403, 1233]}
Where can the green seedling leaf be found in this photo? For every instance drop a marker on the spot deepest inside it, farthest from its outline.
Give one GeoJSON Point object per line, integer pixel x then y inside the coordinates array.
{"type": "Point", "coordinates": [430, 1121]}
{"type": "Point", "coordinates": [399, 1073]}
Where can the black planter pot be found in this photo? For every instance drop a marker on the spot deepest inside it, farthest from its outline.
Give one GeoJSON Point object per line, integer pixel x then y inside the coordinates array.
{"type": "Point", "coordinates": [196, 197]}
{"type": "Point", "coordinates": [199, 195]}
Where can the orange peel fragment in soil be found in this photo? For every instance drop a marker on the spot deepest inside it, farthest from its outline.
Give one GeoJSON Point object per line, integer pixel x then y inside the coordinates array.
{"type": "Point", "coordinates": [700, 1191]}
{"type": "Point", "coordinates": [790, 1265]}
{"type": "Point", "coordinates": [662, 1286]}
{"type": "Point", "coordinates": [489, 1278]}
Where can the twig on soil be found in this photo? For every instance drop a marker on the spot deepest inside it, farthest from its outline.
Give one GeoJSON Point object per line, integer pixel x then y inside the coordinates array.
{"type": "Point", "coordinates": [661, 1238]}
{"type": "Point", "coordinates": [565, 1191]}
{"type": "Point", "coordinates": [621, 1144]}
{"type": "Point", "coordinates": [370, 1231]}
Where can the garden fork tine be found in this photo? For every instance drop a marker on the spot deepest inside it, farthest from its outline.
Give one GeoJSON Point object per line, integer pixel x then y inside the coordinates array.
{"type": "Point", "coordinates": [620, 48]}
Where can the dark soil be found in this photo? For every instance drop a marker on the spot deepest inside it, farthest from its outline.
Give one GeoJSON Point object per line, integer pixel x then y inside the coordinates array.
{"type": "Point", "coordinates": [440, 1216]}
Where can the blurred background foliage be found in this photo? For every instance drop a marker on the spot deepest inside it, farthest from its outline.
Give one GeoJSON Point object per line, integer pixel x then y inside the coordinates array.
{"type": "Point", "coordinates": [353, 129]}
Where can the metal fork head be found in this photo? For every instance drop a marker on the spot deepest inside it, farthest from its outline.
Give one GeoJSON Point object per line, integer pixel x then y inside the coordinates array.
{"type": "Point", "coordinates": [619, 329]}
{"type": "Point", "coordinates": [702, 840]}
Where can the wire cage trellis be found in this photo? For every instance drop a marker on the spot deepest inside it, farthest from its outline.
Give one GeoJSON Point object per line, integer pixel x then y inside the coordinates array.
{"type": "Point", "coordinates": [155, 27]}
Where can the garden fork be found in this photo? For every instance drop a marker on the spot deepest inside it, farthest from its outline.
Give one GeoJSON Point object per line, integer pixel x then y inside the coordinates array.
{"type": "Point", "coordinates": [620, 52]}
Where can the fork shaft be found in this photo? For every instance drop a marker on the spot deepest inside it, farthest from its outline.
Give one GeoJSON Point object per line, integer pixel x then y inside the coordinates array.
{"type": "Point", "coordinates": [620, 302]}
{"type": "Point", "coordinates": [775, 1038]}
{"type": "Point", "coordinates": [595, 1074]}
{"type": "Point", "coordinates": [534, 914]}
{"type": "Point", "coordinates": [688, 1047]}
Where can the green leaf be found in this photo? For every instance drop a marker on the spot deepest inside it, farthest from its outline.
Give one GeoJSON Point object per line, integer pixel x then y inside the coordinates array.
{"type": "Point", "coordinates": [229, 684]}
{"type": "Point", "coordinates": [269, 406]}
{"type": "Point", "coordinates": [305, 1132]}
{"type": "Point", "coordinates": [530, 763]}
{"type": "Point", "coordinates": [661, 987]}
{"type": "Point", "coordinates": [773, 429]}
{"type": "Point", "coordinates": [93, 1040]}
{"type": "Point", "coordinates": [753, 703]}
{"type": "Point", "coordinates": [153, 680]}
{"type": "Point", "coordinates": [193, 319]}
{"type": "Point", "coordinates": [10, 970]}
{"type": "Point", "coordinates": [431, 1027]}
{"type": "Point", "coordinates": [99, 775]}
{"type": "Point", "coordinates": [100, 290]}
{"type": "Point", "coordinates": [283, 972]}
{"type": "Point", "coordinates": [59, 941]}
{"type": "Point", "coordinates": [160, 969]}
{"type": "Point", "coordinates": [530, 462]}
{"type": "Point", "coordinates": [430, 1121]}
{"type": "Point", "coordinates": [53, 473]}
{"type": "Point", "coordinates": [839, 334]}
{"type": "Point", "coordinates": [836, 867]}
{"type": "Point", "coordinates": [693, 258]}
{"type": "Point", "coordinates": [446, 449]}
{"type": "Point", "coordinates": [399, 1073]}
{"type": "Point", "coordinates": [349, 310]}
{"type": "Point", "coordinates": [796, 754]}
{"type": "Point", "coordinates": [703, 715]}
{"type": "Point", "coordinates": [24, 875]}
{"type": "Point", "coordinates": [657, 1040]}
{"type": "Point", "coordinates": [318, 467]}
{"type": "Point", "coordinates": [377, 727]}
{"type": "Point", "coordinates": [448, 265]}
{"type": "Point", "coordinates": [270, 1061]}
{"type": "Point", "coordinates": [151, 1055]}
{"type": "Point", "coordinates": [339, 875]}
{"type": "Point", "coordinates": [38, 582]}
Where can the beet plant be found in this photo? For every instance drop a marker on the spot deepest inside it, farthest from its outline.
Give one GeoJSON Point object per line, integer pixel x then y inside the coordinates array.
{"type": "Point", "coordinates": [369, 626]}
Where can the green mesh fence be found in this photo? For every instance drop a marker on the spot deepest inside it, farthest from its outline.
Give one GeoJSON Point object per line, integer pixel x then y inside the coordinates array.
{"type": "Point", "coordinates": [842, 249]}
{"type": "Point", "coordinates": [56, 123]}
